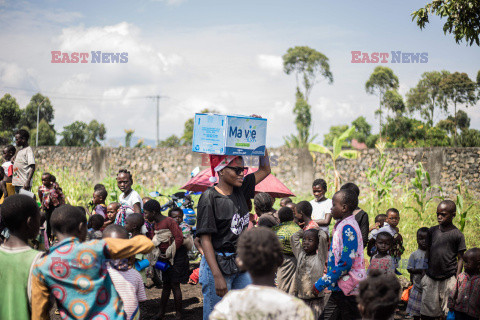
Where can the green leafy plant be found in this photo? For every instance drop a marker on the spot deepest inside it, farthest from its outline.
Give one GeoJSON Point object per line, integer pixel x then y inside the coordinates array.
{"type": "Point", "coordinates": [336, 152]}
{"type": "Point", "coordinates": [381, 178]}
{"type": "Point", "coordinates": [461, 210]}
{"type": "Point", "coordinates": [422, 189]}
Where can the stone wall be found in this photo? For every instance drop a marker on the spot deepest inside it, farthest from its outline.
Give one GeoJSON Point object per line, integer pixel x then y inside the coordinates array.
{"type": "Point", "coordinates": [294, 167]}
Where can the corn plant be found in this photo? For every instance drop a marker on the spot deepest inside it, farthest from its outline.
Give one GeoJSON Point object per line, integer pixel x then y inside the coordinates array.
{"type": "Point", "coordinates": [461, 211]}
{"type": "Point", "coordinates": [381, 178]}
{"type": "Point", "coordinates": [422, 189]}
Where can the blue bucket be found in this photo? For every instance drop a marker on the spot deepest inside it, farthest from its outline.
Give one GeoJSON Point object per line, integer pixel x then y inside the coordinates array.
{"type": "Point", "coordinates": [162, 265]}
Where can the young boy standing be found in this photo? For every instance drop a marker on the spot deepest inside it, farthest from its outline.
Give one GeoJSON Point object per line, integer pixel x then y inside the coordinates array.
{"type": "Point", "coordinates": [417, 265]}
{"type": "Point", "coordinates": [24, 165]}
{"type": "Point", "coordinates": [311, 255]}
{"type": "Point", "coordinates": [21, 216]}
{"type": "Point", "coordinates": [346, 266]}
{"type": "Point", "coordinates": [321, 205]}
{"type": "Point", "coordinates": [75, 271]}
{"type": "Point", "coordinates": [303, 213]}
{"type": "Point", "coordinates": [98, 201]}
{"type": "Point", "coordinates": [464, 301]}
{"type": "Point", "coordinates": [445, 248]}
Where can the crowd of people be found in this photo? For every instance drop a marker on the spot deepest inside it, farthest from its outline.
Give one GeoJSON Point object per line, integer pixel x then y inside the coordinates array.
{"type": "Point", "coordinates": [257, 262]}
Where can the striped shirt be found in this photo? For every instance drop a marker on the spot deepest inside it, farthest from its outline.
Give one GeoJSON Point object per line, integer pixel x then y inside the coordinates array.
{"type": "Point", "coordinates": [129, 285]}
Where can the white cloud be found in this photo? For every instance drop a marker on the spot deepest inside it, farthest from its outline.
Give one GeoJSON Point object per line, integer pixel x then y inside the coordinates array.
{"type": "Point", "coordinates": [271, 63]}
{"type": "Point", "coordinates": [171, 2]}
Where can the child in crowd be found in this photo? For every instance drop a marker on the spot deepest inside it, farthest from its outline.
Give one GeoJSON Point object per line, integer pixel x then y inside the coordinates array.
{"type": "Point", "coordinates": [303, 213]}
{"type": "Point", "coordinates": [98, 201]}
{"type": "Point", "coordinates": [95, 224]}
{"type": "Point", "coordinates": [6, 186]}
{"type": "Point", "coordinates": [129, 197]}
{"type": "Point", "coordinates": [360, 215]}
{"type": "Point", "coordinates": [321, 206]}
{"type": "Point", "coordinates": [21, 216]}
{"type": "Point", "coordinates": [379, 222]}
{"type": "Point", "coordinates": [75, 272]}
{"type": "Point", "coordinates": [127, 281]}
{"type": "Point", "coordinates": [379, 296]}
{"type": "Point", "coordinates": [177, 215]}
{"type": "Point", "coordinates": [382, 260]}
{"type": "Point", "coordinates": [133, 225]}
{"type": "Point", "coordinates": [464, 301]}
{"type": "Point", "coordinates": [311, 255]}
{"type": "Point", "coordinates": [284, 231]}
{"type": "Point", "coordinates": [51, 197]}
{"type": "Point", "coordinates": [112, 210]}
{"type": "Point", "coordinates": [445, 248]}
{"type": "Point", "coordinates": [263, 205]}
{"type": "Point", "coordinates": [98, 186]}
{"type": "Point", "coordinates": [169, 249]}
{"type": "Point", "coordinates": [260, 253]}
{"type": "Point", "coordinates": [391, 226]}
{"type": "Point", "coordinates": [285, 201]}
{"type": "Point", "coordinates": [416, 267]}
{"type": "Point", "coordinates": [346, 266]}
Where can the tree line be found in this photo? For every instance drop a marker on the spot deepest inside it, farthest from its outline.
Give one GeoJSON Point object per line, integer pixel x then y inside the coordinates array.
{"type": "Point", "coordinates": [76, 134]}
{"type": "Point", "coordinates": [404, 121]}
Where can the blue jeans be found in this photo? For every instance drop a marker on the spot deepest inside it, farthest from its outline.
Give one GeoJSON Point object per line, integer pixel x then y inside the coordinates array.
{"type": "Point", "coordinates": [210, 298]}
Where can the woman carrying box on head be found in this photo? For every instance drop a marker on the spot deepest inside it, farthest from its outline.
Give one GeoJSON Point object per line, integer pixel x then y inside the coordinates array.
{"type": "Point", "coordinates": [221, 217]}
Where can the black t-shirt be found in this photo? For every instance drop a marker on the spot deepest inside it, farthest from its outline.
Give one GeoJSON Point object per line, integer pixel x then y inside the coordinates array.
{"type": "Point", "coordinates": [444, 247]}
{"type": "Point", "coordinates": [362, 219]}
{"type": "Point", "coordinates": [225, 217]}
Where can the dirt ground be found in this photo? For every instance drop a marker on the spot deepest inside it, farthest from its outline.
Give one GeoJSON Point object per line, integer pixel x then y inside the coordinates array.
{"type": "Point", "coordinates": [192, 304]}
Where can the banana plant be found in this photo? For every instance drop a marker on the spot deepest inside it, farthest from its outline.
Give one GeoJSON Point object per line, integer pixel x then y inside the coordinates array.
{"type": "Point", "coordinates": [336, 152]}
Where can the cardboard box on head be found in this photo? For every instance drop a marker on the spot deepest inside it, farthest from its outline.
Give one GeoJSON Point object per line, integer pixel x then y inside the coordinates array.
{"type": "Point", "coordinates": [229, 135]}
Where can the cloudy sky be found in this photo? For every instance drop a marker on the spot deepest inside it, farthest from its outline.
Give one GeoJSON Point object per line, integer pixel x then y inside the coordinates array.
{"type": "Point", "coordinates": [217, 54]}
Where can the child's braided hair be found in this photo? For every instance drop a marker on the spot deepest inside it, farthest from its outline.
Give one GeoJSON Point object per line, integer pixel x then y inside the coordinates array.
{"type": "Point", "coordinates": [126, 172]}
{"type": "Point", "coordinates": [260, 251]}
{"type": "Point", "coordinates": [379, 295]}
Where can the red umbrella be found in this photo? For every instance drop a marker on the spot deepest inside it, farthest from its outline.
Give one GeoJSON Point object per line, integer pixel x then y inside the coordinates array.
{"type": "Point", "coordinates": [270, 184]}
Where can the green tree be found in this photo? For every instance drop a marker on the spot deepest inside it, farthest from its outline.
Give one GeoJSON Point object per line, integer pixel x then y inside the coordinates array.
{"type": "Point", "coordinates": [10, 114]}
{"type": "Point", "coordinates": [29, 116]}
{"type": "Point", "coordinates": [95, 131]}
{"type": "Point", "coordinates": [335, 132]}
{"type": "Point", "coordinates": [172, 141]}
{"type": "Point", "coordinates": [393, 101]}
{"type": "Point", "coordinates": [427, 96]}
{"type": "Point", "coordinates": [463, 122]}
{"type": "Point", "coordinates": [46, 135]}
{"type": "Point", "coordinates": [309, 65]}
{"type": "Point", "coordinates": [74, 135]}
{"type": "Point", "coordinates": [459, 89]}
{"type": "Point", "coordinates": [303, 120]}
{"type": "Point", "coordinates": [128, 137]}
{"type": "Point", "coordinates": [469, 138]}
{"type": "Point", "coordinates": [463, 19]}
{"type": "Point", "coordinates": [381, 80]}
{"type": "Point", "coordinates": [362, 129]}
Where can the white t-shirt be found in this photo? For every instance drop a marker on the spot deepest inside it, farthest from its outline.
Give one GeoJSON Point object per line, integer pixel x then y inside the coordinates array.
{"type": "Point", "coordinates": [130, 288]}
{"type": "Point", "coordinates": [258, 303]}
{"type": "Point", "coordinates": [320, 210]}
{"type": "Point", "coordinates": [23, 160]}
{"type": "Point", "coordinates": [132, 198]}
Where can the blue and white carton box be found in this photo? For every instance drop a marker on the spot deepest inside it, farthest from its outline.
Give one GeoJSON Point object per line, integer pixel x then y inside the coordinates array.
{"type": "Point", "coordinates": [229, 135]}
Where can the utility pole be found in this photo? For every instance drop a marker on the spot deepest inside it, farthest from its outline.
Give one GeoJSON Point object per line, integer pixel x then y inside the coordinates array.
{"type": "Point", "coordinates": [38, 117]}
{"type": "Point", "coordinates": [157, 97]}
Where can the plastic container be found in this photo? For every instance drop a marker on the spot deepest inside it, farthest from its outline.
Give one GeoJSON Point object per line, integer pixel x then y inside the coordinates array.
{"type": "Point", "coordinates": [162, 265]}
{"type": "Point", "coordinates": [142, 264]}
